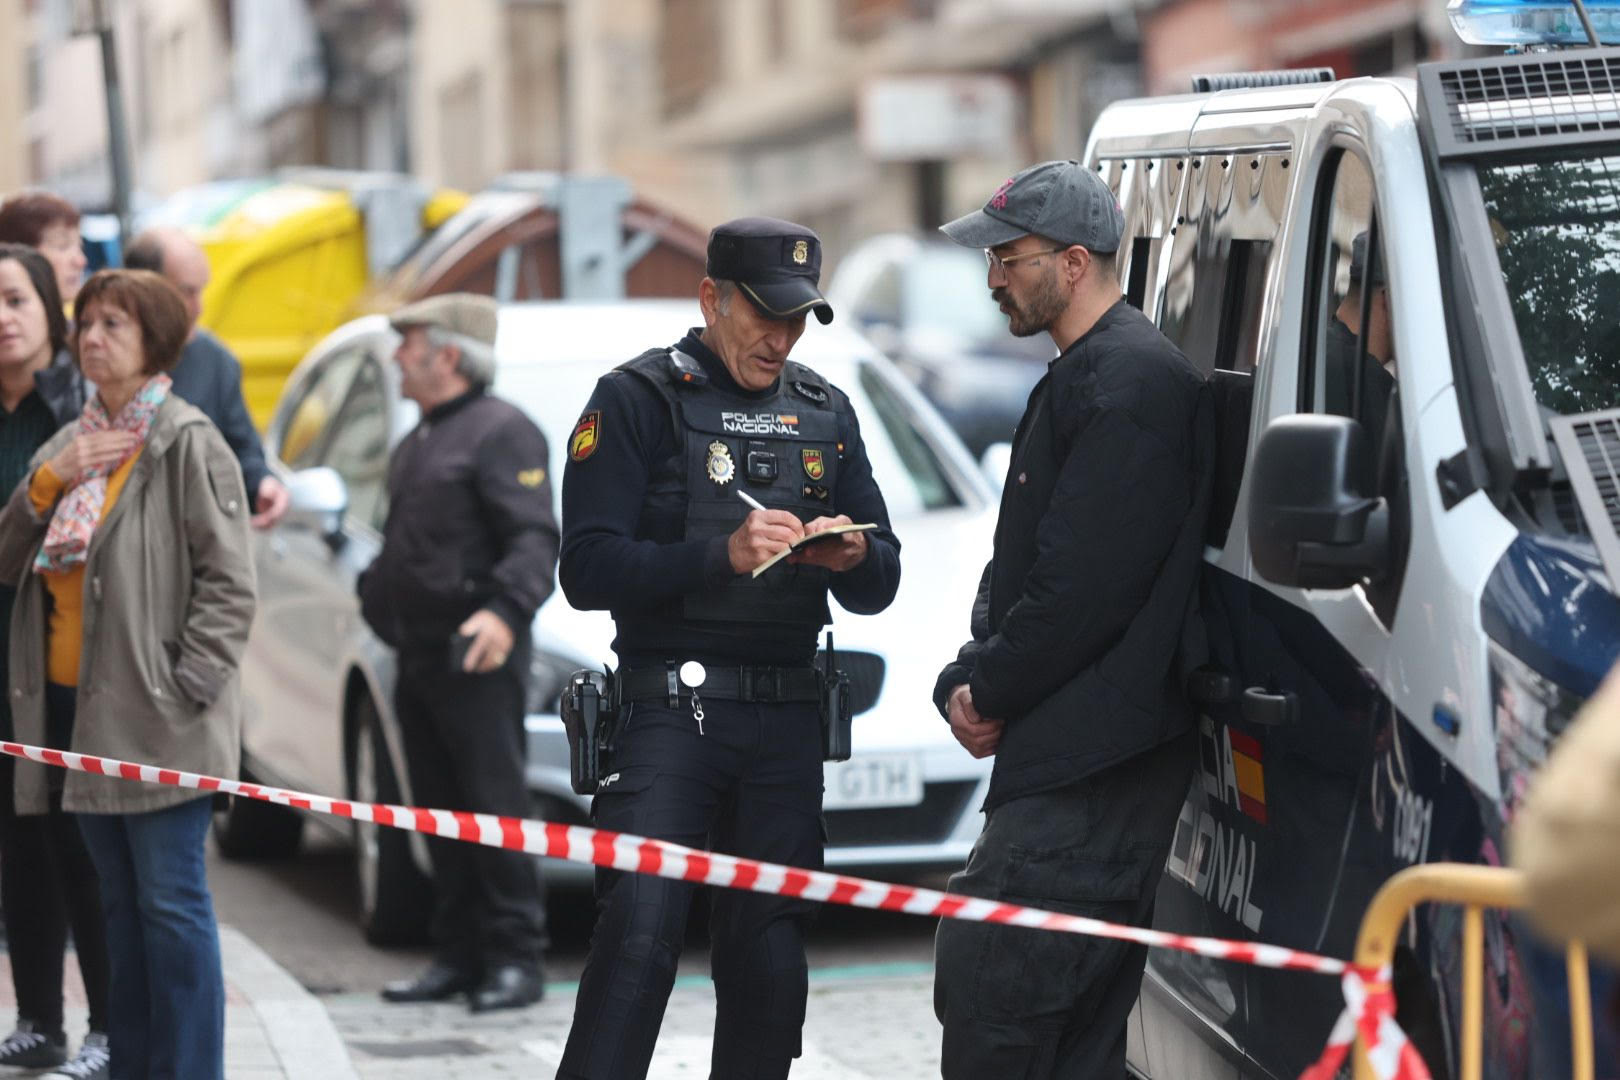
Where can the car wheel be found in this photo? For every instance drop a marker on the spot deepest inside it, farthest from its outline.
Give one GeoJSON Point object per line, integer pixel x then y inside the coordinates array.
{"type": "Point", "coordinates": [253, 829]}
{"type": "Point", "coordinates": [396, 898]}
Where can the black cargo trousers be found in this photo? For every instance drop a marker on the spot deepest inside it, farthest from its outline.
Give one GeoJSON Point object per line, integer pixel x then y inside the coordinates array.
{"type": "Point", "coordinates": [749, 784]}
{"type": "Point", "coordinates": [1023, 1004]}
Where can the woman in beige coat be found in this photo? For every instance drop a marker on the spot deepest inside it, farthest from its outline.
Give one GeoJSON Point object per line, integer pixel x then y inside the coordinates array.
{"type": "Point", "coordinates": [128, 543]}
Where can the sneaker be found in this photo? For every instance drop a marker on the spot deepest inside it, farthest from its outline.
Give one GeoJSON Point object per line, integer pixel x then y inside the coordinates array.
{"type": "Point", "coordinates": [28, 1048]}
{"type": "Point", "coordinates": [92, 1062]}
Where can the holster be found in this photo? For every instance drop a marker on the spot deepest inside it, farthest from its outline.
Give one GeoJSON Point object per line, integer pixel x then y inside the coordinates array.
{"type": "Point", "coordinates": [590, 713]}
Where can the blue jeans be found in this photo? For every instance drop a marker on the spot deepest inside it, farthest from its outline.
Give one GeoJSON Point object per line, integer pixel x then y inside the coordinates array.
{"type": "Point", "coordinates": [166, 1015]}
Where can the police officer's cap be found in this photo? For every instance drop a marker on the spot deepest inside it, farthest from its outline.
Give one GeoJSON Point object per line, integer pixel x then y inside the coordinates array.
{"type": "Point", "coordinates": [775, 263]}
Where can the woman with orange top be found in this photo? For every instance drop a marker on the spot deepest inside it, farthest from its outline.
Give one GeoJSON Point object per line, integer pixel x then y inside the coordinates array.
{"type": "Point", "coordinates": [128, 543]}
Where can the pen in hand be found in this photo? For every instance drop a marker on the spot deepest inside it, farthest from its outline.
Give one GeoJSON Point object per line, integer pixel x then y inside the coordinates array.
{"type": "Point", "coordinates": [750, 500]}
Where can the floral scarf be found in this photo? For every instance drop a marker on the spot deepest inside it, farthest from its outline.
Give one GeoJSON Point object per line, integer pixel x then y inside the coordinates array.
{"type": "Point", "coordinates": [78, 513]}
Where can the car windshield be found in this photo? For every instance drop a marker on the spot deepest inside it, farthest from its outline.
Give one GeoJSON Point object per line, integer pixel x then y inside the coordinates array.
{"type": "Point", "coordinates": [907, 467]}
{"type": "Point", "coordinates": [1557, 231]}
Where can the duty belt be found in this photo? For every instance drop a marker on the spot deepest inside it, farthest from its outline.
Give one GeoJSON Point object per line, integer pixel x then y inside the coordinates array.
{"type": "Point", "coordinates": [754, 684]}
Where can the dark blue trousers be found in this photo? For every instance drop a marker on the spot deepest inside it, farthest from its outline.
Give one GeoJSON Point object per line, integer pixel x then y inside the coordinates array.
{"type": "Point", "coordinates": [749, 784]}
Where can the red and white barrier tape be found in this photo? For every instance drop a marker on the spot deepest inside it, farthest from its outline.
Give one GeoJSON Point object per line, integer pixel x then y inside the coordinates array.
{"type": "Point", "coordinates": [1370, 1003]}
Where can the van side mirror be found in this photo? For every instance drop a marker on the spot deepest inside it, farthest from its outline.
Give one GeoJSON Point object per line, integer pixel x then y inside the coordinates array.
{"type": "Point", "coordinates": [1313, 522]}
{"type": "Point", "coordinates": [317, 499]}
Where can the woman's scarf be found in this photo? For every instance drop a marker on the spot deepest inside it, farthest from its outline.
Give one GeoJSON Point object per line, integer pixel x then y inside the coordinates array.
{"type": "Point", "coordinates": [78, 513]}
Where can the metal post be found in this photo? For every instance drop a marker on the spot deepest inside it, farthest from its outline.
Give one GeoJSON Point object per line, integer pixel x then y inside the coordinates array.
{"type": "Point", "coordinates": [1586, 23]}
{"type": "Point", "coordinates": [117, 131]}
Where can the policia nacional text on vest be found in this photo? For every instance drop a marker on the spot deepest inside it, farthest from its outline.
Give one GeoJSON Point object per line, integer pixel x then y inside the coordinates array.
{"type": "Point", "coordinates": [787, 449]}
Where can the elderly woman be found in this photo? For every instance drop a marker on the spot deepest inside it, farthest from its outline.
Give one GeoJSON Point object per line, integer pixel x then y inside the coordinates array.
{"type": "Point", "coordinates": [128, 542]}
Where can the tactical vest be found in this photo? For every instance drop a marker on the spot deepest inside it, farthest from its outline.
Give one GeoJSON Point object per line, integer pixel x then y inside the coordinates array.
{"type": "Point", "coordinates": [784, 450]}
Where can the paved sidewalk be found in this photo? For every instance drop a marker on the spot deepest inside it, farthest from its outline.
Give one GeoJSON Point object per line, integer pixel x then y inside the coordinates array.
{"type": "Point", "coordinates": [274, 1028]}
{"type": "Point", "coordinates": [873, 1022]}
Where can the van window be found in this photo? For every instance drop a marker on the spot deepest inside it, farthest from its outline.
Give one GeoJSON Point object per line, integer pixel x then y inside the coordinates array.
{"type": "Point", "coordinates": [1350, 373]}
{"type": "Point", "coordinates": [1213, 302]}
{"type": "Point", "coordinates": [1349, 362]}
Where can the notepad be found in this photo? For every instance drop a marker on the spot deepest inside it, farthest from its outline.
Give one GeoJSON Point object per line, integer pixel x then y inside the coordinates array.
{"type": "Point", "coordinates": [813, 538]}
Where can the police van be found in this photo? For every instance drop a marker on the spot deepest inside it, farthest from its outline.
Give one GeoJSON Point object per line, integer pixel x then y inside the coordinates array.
{"type": "Point", "coordinates": [1406, 293]}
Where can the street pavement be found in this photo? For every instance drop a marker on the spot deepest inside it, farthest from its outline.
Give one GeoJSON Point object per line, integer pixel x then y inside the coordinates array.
{"type": "Point", "coordinates": [307, 968]}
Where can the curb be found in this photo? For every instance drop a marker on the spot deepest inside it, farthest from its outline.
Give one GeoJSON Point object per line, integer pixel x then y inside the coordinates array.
{"type": "Point", "coordinates": [295, 1023]}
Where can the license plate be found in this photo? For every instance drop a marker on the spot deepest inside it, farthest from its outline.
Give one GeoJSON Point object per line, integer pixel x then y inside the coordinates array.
{"type": "Point", "coordinates": [871, 780]}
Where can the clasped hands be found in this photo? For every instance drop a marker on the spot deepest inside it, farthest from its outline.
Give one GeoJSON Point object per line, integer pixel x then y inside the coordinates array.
{"type": "Point", "coordinates": [763, 533]}
{"type": "Point", "coordinates": [979, 735]}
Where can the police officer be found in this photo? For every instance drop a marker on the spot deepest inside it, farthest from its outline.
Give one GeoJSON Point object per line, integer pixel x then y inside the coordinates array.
{"type": "Point", "coordinates": [719, 735]}
{"type": "Point", "coordinates": [469, 549]}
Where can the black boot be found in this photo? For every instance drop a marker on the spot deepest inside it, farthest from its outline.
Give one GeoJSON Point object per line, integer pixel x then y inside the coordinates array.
{"type": "Point", "coordinates": [438, 982]}
{"type": "Point", "coordinates": [509, 986]}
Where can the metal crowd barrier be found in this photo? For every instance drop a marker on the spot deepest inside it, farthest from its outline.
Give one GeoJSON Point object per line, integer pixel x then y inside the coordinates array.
{"type": "Point", "coordinates": [1475, 888]}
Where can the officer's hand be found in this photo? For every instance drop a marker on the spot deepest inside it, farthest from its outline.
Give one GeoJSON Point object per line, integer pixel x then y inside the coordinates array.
{"type": "Point", "coordinates": [978, 735]}
{"type": "Point", "coordinates": [97, 450]}
{"type": "Point", "coordinates": [762, 534]}
{"type": "Point", "coordinates": [492, 641]}
{"type": "Point", "coordinates": [844, 553]}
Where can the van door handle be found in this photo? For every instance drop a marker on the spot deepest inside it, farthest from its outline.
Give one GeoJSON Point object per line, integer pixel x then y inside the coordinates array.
{"type": "Point", "coordinates": [1269, 708]}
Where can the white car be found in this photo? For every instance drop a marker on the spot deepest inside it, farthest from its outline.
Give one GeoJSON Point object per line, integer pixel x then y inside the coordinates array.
{"type": "Point", "coordinates": [319, 684]}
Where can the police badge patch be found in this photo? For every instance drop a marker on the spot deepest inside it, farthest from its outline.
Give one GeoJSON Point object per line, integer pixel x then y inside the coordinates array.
{"type": "Point", "coordinates": [720, 466]}
{"type": "Point", "coordinates": [814, 467]}
{"type": "Point", "coordinates": [582, 444]}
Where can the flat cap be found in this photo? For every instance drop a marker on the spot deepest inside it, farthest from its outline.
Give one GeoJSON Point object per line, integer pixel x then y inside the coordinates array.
{"type": "Point", "coordinates": [467, 314]}
{"type": "Point", "coordinates": [1061, 200]}
{"type": "Point", "coordinates": [775, 263]}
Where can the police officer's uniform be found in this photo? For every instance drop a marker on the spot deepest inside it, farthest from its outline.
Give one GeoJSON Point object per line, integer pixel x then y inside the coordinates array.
{"type": "Point", "coordinates": [649, 501]}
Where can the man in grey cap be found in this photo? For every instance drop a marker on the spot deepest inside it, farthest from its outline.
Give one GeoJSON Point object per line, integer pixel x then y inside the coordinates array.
{"type": "Point", "coordinates": [469, 553]}
{"type": "Point", "coordinates": [1083, 629]}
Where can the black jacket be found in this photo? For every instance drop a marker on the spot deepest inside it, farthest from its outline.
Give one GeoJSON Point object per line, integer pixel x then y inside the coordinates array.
{"type": "Point", "coordinates": [210, 378]}
{"type": "Point", "coordinates": [1084, 625]}
{"type": "Point", "coordinates": [469, 526]}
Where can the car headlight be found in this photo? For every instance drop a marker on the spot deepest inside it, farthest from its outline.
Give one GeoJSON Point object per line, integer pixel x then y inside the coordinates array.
{"type": "Point", "coordinates": [1531, 711]}
{"type": "Point", "coordinates": [548, 675]}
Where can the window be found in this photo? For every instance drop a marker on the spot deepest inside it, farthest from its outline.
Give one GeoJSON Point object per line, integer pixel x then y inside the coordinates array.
{"type": "Point", "coordinates": [303, 428]}
{"type": "Point", "coordinates": [1349, 355]}
{"type": "Point", "coordinates": [1557, 231]}
{"type": "Point", "coordinates": [358, 446]}
{"type": "Point", "coordinates": [930, 487]}
{"type": "Point", "coordinates": [1351, 373]}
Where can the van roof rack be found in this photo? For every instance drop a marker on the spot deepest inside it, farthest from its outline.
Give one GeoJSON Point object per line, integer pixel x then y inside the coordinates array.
{"type": "Point", "coordinates": [1248, 80]}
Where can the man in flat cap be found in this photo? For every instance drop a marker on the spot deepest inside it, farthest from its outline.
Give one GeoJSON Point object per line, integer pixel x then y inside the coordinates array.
{"type": "Point", "coordinates": [719, 741]}
{"type": "Point", "coordinates": [1082, 633]}
{"type": "Point", "coordinates": [469, 552]}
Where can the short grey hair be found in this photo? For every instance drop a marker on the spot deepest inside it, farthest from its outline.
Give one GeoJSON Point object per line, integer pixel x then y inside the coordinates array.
{"type": "Point", "coordinates": [724, 289]}
{"type": "Point", "coordinates": [476, 360]}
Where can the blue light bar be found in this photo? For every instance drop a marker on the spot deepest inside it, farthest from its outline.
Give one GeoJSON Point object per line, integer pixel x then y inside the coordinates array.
{"type": "Point", "coordinates": [1532, 22]}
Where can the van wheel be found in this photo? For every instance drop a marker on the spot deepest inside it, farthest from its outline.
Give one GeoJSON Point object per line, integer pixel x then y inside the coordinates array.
{"type": "Point", "coordinates": [250, 829]}
{"type": "Point", "coordinates": [396, 898]}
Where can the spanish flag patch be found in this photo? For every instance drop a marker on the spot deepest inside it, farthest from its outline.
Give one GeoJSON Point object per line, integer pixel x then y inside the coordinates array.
{"type": "Point", "coordinates": [582, 444]}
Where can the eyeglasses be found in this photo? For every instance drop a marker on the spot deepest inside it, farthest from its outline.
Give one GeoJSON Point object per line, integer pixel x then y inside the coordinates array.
{"type": "Point", "coordinates": [996, 262]}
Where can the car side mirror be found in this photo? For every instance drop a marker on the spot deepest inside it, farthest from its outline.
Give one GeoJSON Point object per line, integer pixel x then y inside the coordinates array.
{"type": "Point", "coordinates": [317, 499]}
{"type": "Point", "coordinates": [994, 463]}
{"type": "Point", "coordinates": [1313, 520]}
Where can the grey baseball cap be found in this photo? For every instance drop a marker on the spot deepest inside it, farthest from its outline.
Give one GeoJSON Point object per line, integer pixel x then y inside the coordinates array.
{"type": "Point", "coordinates": [1062, 200]}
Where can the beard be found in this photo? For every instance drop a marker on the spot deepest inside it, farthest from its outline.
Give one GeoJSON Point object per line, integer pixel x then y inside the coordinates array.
{"type": "Point", "coordinates": [1037, 312]}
